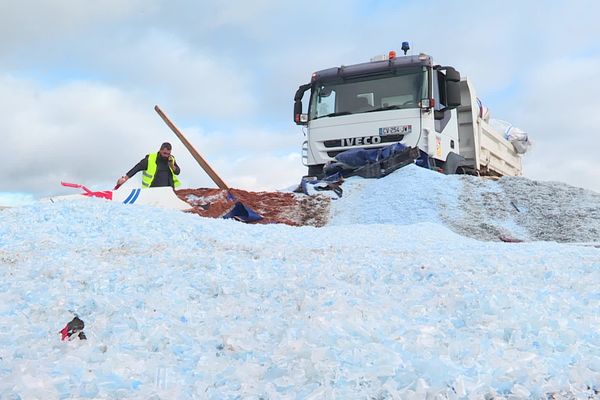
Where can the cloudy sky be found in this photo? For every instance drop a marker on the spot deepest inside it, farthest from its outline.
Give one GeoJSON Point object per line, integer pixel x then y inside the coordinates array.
{"type": "Point", "coordinates": [79, 80]}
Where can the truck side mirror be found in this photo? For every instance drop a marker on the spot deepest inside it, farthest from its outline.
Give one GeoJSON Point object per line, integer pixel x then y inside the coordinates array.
{"type": "Point", "coordinates": [452, 94]}
{"type": "Point", "coordinates": [452, 87]}
{"type": "Point", "coordinates": [452, 75]}
{"type": "Point", "coordinates": [449, 87]}
{"type": "Point", "coordinates": [299, 117]}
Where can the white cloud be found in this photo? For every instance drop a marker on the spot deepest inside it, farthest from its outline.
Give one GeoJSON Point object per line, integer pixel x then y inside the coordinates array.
{"type": "Point", "coordinates": [38, 22]}
{"type": "Point", "coordinates": [560, 109]}
{"type": "Point", "coordinates": [256, 172]}
{"type": "Point", "coordinates": [268, 172]}
{"type": "Point", "coordinates": [244, 13]}
{"type": "Point", "coordinates": [193, 82]}
{"type": "Point", "coordinates": [246, 140]}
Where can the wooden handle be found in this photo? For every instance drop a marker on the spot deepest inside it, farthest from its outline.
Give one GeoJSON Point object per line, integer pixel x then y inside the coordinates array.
{"type": "Point", "coordinates": [207, 168]}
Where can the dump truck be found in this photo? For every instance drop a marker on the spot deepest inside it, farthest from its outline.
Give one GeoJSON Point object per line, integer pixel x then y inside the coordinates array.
{"type": "Point", "coordinates": [401, 99]}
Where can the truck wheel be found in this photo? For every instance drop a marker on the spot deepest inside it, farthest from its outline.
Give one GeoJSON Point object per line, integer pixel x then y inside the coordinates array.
{"type": "Point", "coordinates": [315, 170]}
{"type": "Point", "coordinates": [466, 171]}
{"type": "Point", "coordinates": [453, 163]}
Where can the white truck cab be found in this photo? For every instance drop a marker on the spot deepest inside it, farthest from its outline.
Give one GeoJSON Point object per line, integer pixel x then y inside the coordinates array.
{"type": "Point", "coordinates": [407, 100]}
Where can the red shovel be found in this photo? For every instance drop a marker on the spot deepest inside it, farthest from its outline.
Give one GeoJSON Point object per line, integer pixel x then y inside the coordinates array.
{"type": "Point", "coordinates": [107, 194]}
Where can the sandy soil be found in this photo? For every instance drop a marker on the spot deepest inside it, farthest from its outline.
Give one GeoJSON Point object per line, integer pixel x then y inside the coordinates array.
{"type": "Point", "coordinates": [275, 207]}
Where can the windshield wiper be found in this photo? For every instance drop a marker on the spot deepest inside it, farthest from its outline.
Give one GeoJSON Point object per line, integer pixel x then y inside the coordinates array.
{"type": "Point", "coordinates": [392, 107]}
{"type": "Point", "coordinates": [335, 114]}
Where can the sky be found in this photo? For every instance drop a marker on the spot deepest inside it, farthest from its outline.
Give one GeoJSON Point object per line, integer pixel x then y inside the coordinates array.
{"type": "Point", "coordinates": [79, 80]}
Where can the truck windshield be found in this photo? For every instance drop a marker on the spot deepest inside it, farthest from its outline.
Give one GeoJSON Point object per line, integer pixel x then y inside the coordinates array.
{"type": "Point", "coordinates": [404, 89]}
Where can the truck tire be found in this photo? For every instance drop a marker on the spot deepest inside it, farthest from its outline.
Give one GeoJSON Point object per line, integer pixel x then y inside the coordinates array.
{"type": "Point", "coordinates": [316, 170]}
{"type": "Point", "coordinates": [454, 164]}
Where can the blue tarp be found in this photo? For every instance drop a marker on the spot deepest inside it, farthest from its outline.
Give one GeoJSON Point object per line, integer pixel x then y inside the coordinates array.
{"type": "Point", "coordinates": [358, 157]}
{"type": "Point", "coordinates": [368, 163]}
{"type": "Point", "coordinates": [242, 213]}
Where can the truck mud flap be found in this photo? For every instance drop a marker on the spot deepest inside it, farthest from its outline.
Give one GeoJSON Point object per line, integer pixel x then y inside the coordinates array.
{"type": "Point", "coordinates": [386, 167]}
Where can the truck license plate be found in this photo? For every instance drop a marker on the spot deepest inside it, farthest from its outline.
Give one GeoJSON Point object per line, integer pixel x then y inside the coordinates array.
{"type": "Point", "coordinates": [393, 130]}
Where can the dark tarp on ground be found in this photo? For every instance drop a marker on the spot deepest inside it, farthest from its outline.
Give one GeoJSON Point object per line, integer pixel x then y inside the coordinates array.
{"type": "Point", "coordinates": [242, 213]}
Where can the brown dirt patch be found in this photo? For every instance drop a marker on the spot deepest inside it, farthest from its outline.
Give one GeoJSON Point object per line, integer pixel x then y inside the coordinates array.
{"type": "Point", "coordinates": [275, 207]}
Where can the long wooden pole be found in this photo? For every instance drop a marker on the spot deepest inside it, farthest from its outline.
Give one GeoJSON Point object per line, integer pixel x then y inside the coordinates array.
{"type": "Point", "coordinates": [205, 166]}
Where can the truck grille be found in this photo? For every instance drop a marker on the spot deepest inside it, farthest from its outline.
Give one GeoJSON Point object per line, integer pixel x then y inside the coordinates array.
{"type": "Point", "coordinates": [332, 154]}
{"type": "Point", "coordinates": [384, 139]}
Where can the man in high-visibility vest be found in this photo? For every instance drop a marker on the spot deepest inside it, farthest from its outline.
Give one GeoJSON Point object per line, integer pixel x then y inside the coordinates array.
{"type": "Point", "coordinates": [159, 169]}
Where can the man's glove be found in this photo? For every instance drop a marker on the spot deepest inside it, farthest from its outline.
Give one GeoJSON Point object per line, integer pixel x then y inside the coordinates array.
{"type": "Point", "coordinates": [122, 180]}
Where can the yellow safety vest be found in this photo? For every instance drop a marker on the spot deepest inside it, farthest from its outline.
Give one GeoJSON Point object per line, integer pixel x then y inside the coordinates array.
{"type": "Point", "coordinates": [148, 174]}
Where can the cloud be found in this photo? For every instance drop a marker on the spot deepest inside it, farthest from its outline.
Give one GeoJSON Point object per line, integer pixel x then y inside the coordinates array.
{"type": "Point", "coordinates": [39, 22]}
{"type": "Point", "coordinates": [256, 172]}
{"type": "Point", "coordinates": [245, 140]}
{"type": "Point", "coordinates": [193, 82]}
{"type": "Point", "coordinates": [269, 172]}
{"type": "Point", "coordinates": [560, 110]}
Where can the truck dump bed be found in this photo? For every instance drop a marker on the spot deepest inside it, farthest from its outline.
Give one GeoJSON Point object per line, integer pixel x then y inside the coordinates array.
{"type": "Point", "coordinates": [480, 144]}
